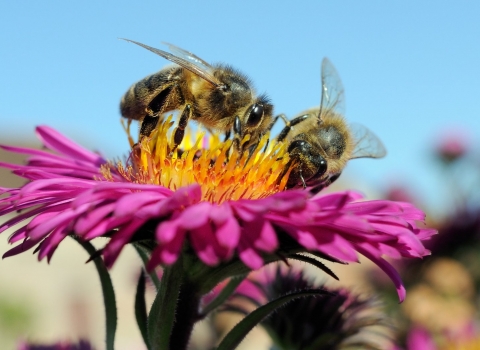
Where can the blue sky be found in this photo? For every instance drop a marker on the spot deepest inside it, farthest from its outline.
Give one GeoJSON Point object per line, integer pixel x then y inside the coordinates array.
{"type": "Point", "coordinates": [410, 69]}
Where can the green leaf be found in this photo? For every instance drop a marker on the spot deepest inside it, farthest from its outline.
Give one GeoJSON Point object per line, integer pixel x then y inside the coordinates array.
{"type": "Point", "coordinates": [141, 308]}
{"type": "Point", "coordinates": [236, 335]}
{"type": "Point", "coordinates": [223, 295]}
{"type": "Point", "coordinates": [314, 262]}
{"type": "Point", "coordinates": [235, 267]}
{"type": "Point", "coordinates": [108, 293]}
{"type": "Point", "coordinates": [162, 313]}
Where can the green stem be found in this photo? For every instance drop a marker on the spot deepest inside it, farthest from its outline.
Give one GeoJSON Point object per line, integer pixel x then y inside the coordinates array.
{"type": "Point", "coordinates": [164, 308]}
{"type": "Point", "coordinates": [108, 293]}
{"type": "Point", "coordinates": [187, 316]}
{"type": "Point", "coordinates": [141, 308]}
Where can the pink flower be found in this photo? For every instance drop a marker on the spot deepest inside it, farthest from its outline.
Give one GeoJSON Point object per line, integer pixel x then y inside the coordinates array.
{"type": "Point", "coordinates": [452, 146]}
{"type": "Point", "coordinates": [419, 338]}
{"type": "Point", "coordinates": [82, 345]}
{"type": "Point", "coordinates": [335, 319]}
{"type": "Point", "coordinates": [75, 191]}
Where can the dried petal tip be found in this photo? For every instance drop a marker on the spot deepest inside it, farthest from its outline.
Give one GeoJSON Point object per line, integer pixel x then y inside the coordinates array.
{"type": "Point", "coordinates": [222, 171]}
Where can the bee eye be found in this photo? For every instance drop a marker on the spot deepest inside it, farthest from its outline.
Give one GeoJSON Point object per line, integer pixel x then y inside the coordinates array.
{"type": "Point", "coordinates": [256, 115]}
{"type": "Point", "coordinates": [322, 167]}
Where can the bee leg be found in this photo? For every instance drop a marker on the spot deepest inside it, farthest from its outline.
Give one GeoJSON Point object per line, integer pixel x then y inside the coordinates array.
{"type": "Point", "coordinates": [149, 123]}
{"type": "Point", "coordinates": [331, 179]}
{"type": "Point", "coordinates": [237, 132]}
{"type": "Point", "coordinates": [334, 178]}
{"type": "Point", "coordinates": [227, 135]}
{"type": "Point", "coordinates": [209, 130]}
{"type": "Point", "coordinates": [280, 116]}
{"type": "Point", "coordinates": [283, 134]}
{"type": "Point", "coordinates": [304, 184]}
{"type": "Point", "coordinates": [251, 149]}
{"type": "Point", "coordinates": [179, 131]}
{"type": "Point", "coordinates": [270, 127]}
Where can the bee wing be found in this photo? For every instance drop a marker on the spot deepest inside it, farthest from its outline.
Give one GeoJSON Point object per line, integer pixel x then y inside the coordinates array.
{"type": "Point", "coordinates": [333, 96]}
{"type": "Point", "coordinates": [186, 60]}
{"type": "Point", "coordinates": [178, 51]}
{"type": "Point", "coordinates": [367, 144]}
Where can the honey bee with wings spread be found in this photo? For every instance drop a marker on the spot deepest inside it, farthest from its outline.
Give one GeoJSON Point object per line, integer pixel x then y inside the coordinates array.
{"type": "Point", "coordinates": [320, 142]}
{"type": "Point", "coordinates": [217, 96]}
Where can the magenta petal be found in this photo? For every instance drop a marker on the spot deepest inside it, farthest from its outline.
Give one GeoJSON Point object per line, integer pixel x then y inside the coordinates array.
{"type": "Point", "coordinates": [92, 198]}
{"type": "Point", "coordinates": [182, 198]}
{"type": "Point", "coordinates": [104, 226]}
{"type": "Point", "coordinates": [22, 247]}
{"type": "Point", "coordinates": [195, 216]}
{"type": "Point", "coordinates": [190, 194]}
{"type": "Point", "coordinates": [419, 339]}
{"type": "Point", "coordinates": [203, 242]}
{"type": "Point", "coordinates": [244, 213]}
{"type": "Point", "coordinates": [228, 234]}
{"type": "Point", "coordinates": [425, 234]}
{"type": "Point", "coordinates": [167, 231]}
{"type": "Point", "coordinates": [388, 269]}
{"type": "Point", "coordinates": [219, 214]}
{"type": "Point", "coordinates": [288, 201]}
{"type": "Point", "coordinates": [336, 246]}
{"type": "Point", "coordinates": [167, 257]}
{"type": "Point", "coordinates": [56, 183]}
{"type": "Point", "coordinates": [45, 227]}
{"type": "Point", "coordinates": [131, 203]}
{"type": "Point", "coordinates": [48, 246]}
{"type": "Point", "coordinates": [306, 239]}
{"type": "Point", "coordinates": [21, 217]}
{"type": "Point", "coordinates": [251, 258]}
{"type": "Point", "coordinates": [24, 150]}
{"type": "Point", "coordinates": [167, 253]}
{"type": "Point", "coordinates": [92, 218]}
{"type": "Point", "coordinates": [282, 202]}
{"type": "Point", "coordinates": [251, 290]}
{"type": "Point", "coordinates": [18, 235]}
{"type": "Point", "coordinates": [118, 241]}
{"type": "Point", "coordinates": [267, 238]}
{"type": "Point", "coordinates": [349, 223]}
{"type": "Point", "coordinates": [334, 201]}
{"type": "Point", "coordinates": [388, 250]}
{"type": "Point", "coordinates": [56, 141]}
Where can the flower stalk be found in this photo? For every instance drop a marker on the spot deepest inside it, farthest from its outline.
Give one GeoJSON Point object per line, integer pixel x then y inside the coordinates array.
{"type": "Point", "coordinates": [161, 318]}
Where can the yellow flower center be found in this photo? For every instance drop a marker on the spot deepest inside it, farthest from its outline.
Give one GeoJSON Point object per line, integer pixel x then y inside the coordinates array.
{"type": "Point", "coordinates": [222, 171]}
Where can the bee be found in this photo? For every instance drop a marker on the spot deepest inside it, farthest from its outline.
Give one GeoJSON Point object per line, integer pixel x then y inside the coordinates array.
{"type": "Point", "coordinates": [320, 142]}
{"type": "Point", "coordinates": [217, 96]}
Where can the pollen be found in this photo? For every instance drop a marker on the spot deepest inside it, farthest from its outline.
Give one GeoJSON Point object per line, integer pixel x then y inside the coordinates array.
{"type": "Point", "coordinates": [223, 172]}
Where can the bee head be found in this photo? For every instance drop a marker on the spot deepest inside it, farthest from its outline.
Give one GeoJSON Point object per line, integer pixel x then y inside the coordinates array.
{"type": "Point", "coordinates": [259, 114]}
{"type": "Point", "coordinates": [308, 164]}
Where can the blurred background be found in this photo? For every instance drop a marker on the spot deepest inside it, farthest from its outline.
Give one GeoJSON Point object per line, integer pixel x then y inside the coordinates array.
{"type": "Point", "coordinates": [410, 71]}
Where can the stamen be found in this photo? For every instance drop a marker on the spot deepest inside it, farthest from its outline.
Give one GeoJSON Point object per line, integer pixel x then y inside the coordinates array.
{"type": "Point", "coordinates": [218, 167]}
